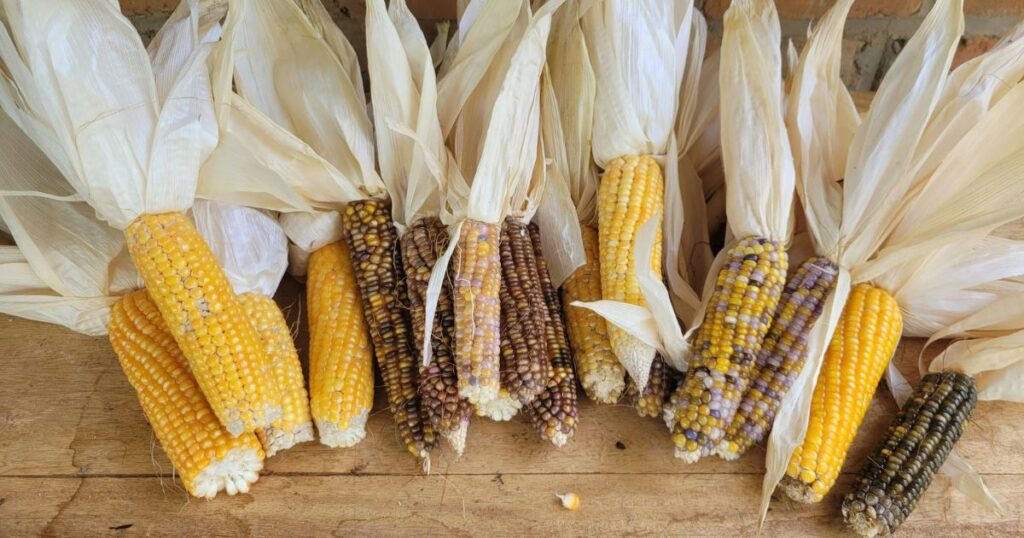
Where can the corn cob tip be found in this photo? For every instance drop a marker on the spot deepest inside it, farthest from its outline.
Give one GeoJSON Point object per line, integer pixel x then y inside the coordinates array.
{"type": "Point", "coordinates": [668, 414]}
{"type": "Point", "coordinates": [335, 437]}
{"type": "Point", "coordinates": [457, 438]}
{"type": "Point", "coordinates": [275, 440]}
{"type": "Point", "coordinates": [688, 456]}
{"type": "Point", "coordinates": [863, 525]}
{"type": "Point", "coordinates": [233, 474]}
{"type": "Point", "coordinates": [604, 384]}
{"type": "Point", "coordinates": [799, 491]}
{"type": "Point", "coordinates": [559, 439]}
{"type": "Point", "coordinates": [728, 451]}
{"type": "Point", "coordinates": [500, 409]}
{"type": "Point", "coordinates": [478, 394]}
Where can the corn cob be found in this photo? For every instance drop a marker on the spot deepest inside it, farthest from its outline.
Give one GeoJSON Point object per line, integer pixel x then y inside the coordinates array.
{"type": "Point", "coordinates": [630, 192]}
{"type": "Point", "coordinates": [525, 368]}
{"type": "Point", "coordinates": [600, 371]}
{"type": "Point", "coordinates": [295, 425]}
{"type": "Point", "coordinates": [477, 312]}
{"type": "Point", "coordinates": [782, 356]}
{"type": "Point", "coordinates": [916, 445]}
{"type": "Point", "coordinates": [554, 413]}
{"type": "Point", "coordinates": [377, 264]}
{"type": "Point", "coordinates": [865, 339]}
{"type": "Point", "coordinates": [651, 402]}
{"type": "Point", "coordinates": [340, 354]}
{"type": "Point", "coordinates": [204, 315]}
{"type": "Point", "coordinates": [206, 457]}
{"type": "Point", "coordinates": [449, 414]}
{"type": "Point", "coordinates": [738, 315]}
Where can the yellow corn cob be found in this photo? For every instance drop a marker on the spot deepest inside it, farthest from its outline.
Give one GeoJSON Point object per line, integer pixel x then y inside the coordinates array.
{"type": "Point", "coordinates": [477, 283]}
{"type": "Point", "coordinates": [600, 371]}
{"type": "Point", "coordinates": [295, 425]}
{"type": "Point", "coordinates": [738, 315]}
{"type": "Point", "coordinates": [340, 355]}
{"type": "Point", "coordinates": [206, 457]}
{"type": "Point", "coordinates": [631, 191]}
{"type": "Point", "coordinates": [203, 313]}
{"type": "Point", "coordinates": [864, 342]}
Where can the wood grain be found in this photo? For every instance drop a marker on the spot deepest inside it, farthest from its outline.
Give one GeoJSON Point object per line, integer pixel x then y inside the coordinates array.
{"type": "Point", "coordinates": [77, 457]}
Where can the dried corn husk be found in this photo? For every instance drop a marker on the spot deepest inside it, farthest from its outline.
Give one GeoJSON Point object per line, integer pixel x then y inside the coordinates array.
{"type": "Point", "coordinates": [489, 109]}
{"type": "Point", "coordinates": [896, 217]}
{"type": "Point", "coordinates": [639, 101]}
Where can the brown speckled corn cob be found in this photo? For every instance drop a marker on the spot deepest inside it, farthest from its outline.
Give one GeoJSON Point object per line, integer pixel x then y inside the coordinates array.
{"type": "Point", "coordinates": [477, 268]}
{"type": "Point", "coordinates": [917, 444]}
{"type": "Point", "coordinates": [376, 259]}
{"type": "Point", "coordinates": [525, 368]}
{"type": "Point", "coordinates": [600, 371]}
{"type": "Point", "coordinates": [554, 412]}
{"type": "Point", "coordinates": [422, 244]}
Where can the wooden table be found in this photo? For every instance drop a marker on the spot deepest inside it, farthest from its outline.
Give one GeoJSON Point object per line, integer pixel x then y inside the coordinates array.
{"type": "Point", "coordinates": [77, 458]}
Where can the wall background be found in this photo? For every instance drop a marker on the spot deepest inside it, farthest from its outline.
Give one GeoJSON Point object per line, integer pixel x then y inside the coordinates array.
{"type": "Point", "coordinates": [875, 32]}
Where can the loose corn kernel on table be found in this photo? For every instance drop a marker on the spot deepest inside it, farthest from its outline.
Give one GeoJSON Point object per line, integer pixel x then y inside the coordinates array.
{"type": "Point", "coordinates": [77, 458]}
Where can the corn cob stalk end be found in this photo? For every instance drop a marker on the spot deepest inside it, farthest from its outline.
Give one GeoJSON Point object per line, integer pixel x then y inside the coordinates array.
{"type": "Point", "coordinates": [334, 436]}
{"type": "Point", "coordinates": [457, 437]}
{"type": "Point", "coordinates": [500, 409]}
{"type": "Point", "coordinates": [233, 474]}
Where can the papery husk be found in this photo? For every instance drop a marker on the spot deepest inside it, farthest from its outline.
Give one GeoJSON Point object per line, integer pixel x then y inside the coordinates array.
{"type": "Point", "coordinates": [829, 146]}
{"type": "Point", "coordinates": [636, 105]}
{"type": "Point", "coordinates": [293, 66]}
{"type": "Point", "coordinates": [495, 134]}
{"type": "Point", "coordinates": [556, 212]}
{"type": "Point", "coordinates": [755, 148]}
{"type": "Point", "coordinates": [248, 244]}
{"type": "Point", "coordinates": [127, 146]}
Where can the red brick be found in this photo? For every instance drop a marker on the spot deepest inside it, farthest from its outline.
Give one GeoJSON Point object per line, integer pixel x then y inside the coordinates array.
{"type": "Point", "coordinates": [433, 9]}
{"type": "Point", "coordinates": [808, 9]}
{"type": "Point", "coordinates": [971, 46]}
{"type": "Point", "coordinates": [994, 7]}
{"type": "Point", "coordinates": [147, 7]}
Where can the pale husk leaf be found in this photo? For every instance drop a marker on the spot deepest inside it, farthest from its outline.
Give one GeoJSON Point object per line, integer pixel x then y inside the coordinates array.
{"type": "Point", "coordinates": [119, 145]}
{"type": "Point", "coordinates": [877, 180]}
{"type": "Point", "coordinates": [755, 148]}
{"type": "Point", "coordinates": [286, 66]}
{"type": "Point", "coordinates": [249, 245]}
{"type": "Point", "coordinates": [637, 48]}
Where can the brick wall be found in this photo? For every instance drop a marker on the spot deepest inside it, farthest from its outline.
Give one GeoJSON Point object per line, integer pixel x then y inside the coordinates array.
{"type": "Point", "coordinates": [875, 32]}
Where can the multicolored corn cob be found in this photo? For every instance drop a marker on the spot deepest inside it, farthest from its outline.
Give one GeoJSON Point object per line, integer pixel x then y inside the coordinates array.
{"type": "Point", "coordinates": [600, 371]}
{"type": "Point", "coordinates": [782, 355]}
{"type": "Point", "coordinates": [864, 342]}
{"type": "Point", "coordinates": [525, 368]}
{"type": "Point", "coordinates": [916, 445]}
{"type": "Point", "coordinates": [204, 454]}
{"type": "Point", "coordinates": [477, 267]}
{"type": "Point", "coordinates": [203, 313]}
{"type": "Point", "coordinates": [747, 290]}
{"type": "Point", "coordinates": [631, 191]}
{"type": "Point", "coordinates": [449, 414]}
{"type": "Point", "coordinates": [340, 354]}
{"type": "Point", "coordinates": [295, 425]}
{"type": "Point", "coordinates": [377, 263]}
{"type": "Point", "coordinates": [651, 402]}
{"type": "Point", "coordinates": [554, 413]}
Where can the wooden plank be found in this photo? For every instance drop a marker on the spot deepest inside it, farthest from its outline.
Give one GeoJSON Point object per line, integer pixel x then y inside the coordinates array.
{"type": "Point", "coordinates": [654, 504]}
{"type": "Point", "coordinates": [66, 408]}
